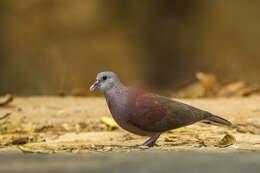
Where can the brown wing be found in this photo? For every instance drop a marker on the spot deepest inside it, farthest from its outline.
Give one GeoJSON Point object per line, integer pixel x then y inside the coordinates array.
{"type": "Point", "coordinates": [145, 111]}
{"type": "Point", "coordinates": [157, 114]}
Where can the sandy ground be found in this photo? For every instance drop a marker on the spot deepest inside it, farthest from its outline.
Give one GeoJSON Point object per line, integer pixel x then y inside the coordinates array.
{"type": "Point", "coordinates": [72, 124]}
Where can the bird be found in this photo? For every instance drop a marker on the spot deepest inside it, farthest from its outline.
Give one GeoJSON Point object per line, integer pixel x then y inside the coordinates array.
{"type": "Point", "coordinates": [148, 114]}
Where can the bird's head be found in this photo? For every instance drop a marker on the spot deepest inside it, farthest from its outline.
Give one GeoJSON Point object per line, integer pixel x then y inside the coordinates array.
{"type": "Point", "coordinates": [105, 81]}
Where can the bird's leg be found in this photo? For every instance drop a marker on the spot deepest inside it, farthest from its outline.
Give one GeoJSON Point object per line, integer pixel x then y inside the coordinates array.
{"type": "Point", "coordinates": [151, 141]}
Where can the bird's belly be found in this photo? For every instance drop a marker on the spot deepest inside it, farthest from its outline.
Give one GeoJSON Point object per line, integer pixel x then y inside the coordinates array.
{"type": "Point", "coordinates": [119, 110]}
{"type": "Point", "coordinates": [128, 126]}
{"type": "Point", "coordinates": [133, 129]}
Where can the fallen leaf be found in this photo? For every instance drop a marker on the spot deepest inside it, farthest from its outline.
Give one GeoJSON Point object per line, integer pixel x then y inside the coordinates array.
{"type": "Point", "coordinates": [254, 130]}
{"type": "Point", "coordinates": [226, 141]}
{"type": "Point", "coordinates": [178, 130]}
{"type": "Point", "coordinates": [8, 98]}
{"type": "Point", "coordinates": [209, 82]}
{"type": "Point", "coordinates": [207, 85]}
{"type": "Point", "coordinates": [5, 116]}
{"type": "Point", "coordinates": [167, 139]}
{"type": "Point", "coordinates": [20, 140]}
{"type": "Point", "coordinates": [232, 89]}
{"type": "Point", "coordinates": [38, 149]}
{"type": "Point", "coordinates": [109, 122]}
{"type": "Point", "coordinates": [143, 147]}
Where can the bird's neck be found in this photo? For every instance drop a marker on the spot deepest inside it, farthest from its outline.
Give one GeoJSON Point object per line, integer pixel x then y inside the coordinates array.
{"type": "Point", "coordinates": [117, 95]}
{"type": "Point", "coordinates": [117, 90]}
{"type": "Point", "coordinates": [117, 99]}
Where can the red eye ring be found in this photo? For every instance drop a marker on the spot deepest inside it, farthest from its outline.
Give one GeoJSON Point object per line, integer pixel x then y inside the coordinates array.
{"type": "Point", "coordinates": [104, 78]}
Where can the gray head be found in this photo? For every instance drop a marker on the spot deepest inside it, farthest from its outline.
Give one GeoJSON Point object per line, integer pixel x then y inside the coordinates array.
{"type": "Point", "coordinates": [105, 81]}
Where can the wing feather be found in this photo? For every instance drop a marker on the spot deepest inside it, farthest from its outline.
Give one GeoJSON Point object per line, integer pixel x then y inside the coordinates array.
{"type": "Point", "coordinates": [155, 113]}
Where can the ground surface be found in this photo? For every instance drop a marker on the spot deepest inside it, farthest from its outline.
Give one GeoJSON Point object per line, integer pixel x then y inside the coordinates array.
{"type": "Point", "coordinates": [70, 127]}
{"type": "Point", "coordinates": [71, 124]}
{"type": "Point", "coordinates": [152, 162]}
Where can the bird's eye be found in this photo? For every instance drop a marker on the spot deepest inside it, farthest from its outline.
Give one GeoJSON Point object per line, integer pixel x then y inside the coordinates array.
{"type": "Point", "coordinates": [104, 78]}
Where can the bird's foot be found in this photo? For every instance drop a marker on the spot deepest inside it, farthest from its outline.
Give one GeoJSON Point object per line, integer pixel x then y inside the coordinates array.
{"type": "Point", "coordinates": [150, 145]}
{"type": "Point", "coordinates": [144, 146]}
{"type": "Point", "coordinates": [151, 141]}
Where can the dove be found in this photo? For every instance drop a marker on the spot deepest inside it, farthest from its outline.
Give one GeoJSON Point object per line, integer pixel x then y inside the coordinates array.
{"type": "Point", "coordinates": [148, 114]}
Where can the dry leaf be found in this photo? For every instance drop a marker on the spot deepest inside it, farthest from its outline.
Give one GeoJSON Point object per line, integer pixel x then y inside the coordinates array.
{"type": "Point", "coordinates": [226, 141]}
{"type": "Point", "coordinates": [178, 130]}
{"type": "Point", "coordinates": [35, 149]}
{"type": "Point", "coordinates": [109, 122]}
{"type": "Point", "coordinates": [8, 98]}
{"type": "Point", "coordinates": [143, 147]}
{"type": "Point", "coordinates": [167, 139]}
{"type": "Point", "coordinates": [207, 85]}
{"type": "Point", "coordinates": [20, 140]}
{"type": "Point", "coordinates": [231, 89]}
{"type": "Point", "coordinates": [209, 82]}
{"type": "Point", "coordinates": [5, 116]}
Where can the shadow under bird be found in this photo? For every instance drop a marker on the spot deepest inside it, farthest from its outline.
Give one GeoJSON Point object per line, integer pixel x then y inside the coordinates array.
{"type": "Point", "coordinates": [147, 114]}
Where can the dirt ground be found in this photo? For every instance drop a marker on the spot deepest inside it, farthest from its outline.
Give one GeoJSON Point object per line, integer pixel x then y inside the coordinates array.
{"type": "Point", "coordinates": [47, 124]}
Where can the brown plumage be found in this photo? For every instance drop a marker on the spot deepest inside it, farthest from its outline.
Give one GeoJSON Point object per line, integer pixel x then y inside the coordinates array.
{"type": "Point", "coordinates": [145, 113]}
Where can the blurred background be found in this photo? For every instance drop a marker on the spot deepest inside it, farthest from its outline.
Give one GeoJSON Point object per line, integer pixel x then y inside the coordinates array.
{"type": "Point", "coordinates": [52, 46]}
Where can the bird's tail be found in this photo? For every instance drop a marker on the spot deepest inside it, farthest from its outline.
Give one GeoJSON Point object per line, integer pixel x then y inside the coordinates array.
{"type": "Point", "coordinates": [218, 120]}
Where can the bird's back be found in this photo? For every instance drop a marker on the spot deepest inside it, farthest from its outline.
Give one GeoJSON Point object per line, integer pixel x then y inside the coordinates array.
{"type": "Point", "coordinates": [137, 109]}
{"type": "Point", "coordinates": [156, 113]}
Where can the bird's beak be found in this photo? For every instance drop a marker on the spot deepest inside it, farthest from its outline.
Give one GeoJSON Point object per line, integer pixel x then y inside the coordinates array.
{"type": "Point", "coordinates": [94, 86]}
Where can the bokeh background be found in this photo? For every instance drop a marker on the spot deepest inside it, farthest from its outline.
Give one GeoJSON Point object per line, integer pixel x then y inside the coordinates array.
{"type": "Point", "coordinates": [48, 46]}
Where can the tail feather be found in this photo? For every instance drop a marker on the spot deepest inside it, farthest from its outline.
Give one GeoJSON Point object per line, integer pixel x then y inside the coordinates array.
{"type": "Point", "coordinates": [218, 120]}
